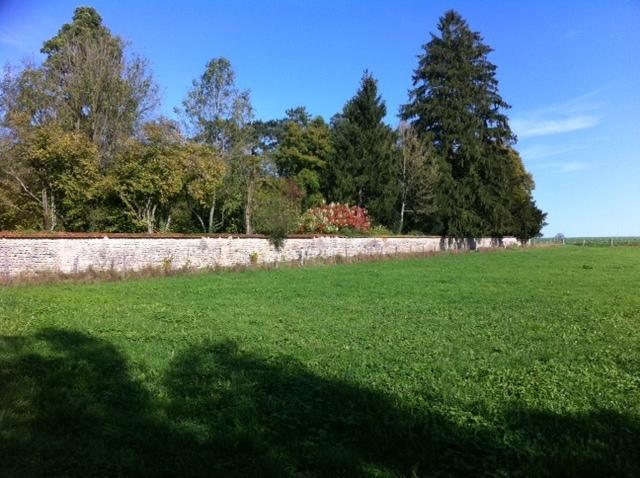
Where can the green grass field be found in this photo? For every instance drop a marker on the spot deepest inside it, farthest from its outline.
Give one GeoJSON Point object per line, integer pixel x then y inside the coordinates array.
{"type": "Point", "coordinates": [518, 363]}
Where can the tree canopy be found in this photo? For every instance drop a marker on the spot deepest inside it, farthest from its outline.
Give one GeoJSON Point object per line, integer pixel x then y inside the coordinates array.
{"type": "Point", "coordinates": [303, 153]}
{"type": "Point", "coordinates": [365, 158]}
{"type": "Point", "coordinates": [82, 147]}
{"type": "Point", "coordinates": [456, 107]}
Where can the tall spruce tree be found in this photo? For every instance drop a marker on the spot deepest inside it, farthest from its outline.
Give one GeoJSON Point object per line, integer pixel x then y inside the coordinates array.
{"type": "Point", "coordinates": [364, 162]}
{"type": "Point", "coordinates": [456, 107]}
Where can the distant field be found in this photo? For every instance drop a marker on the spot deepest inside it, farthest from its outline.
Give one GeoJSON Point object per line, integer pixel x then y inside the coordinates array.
{"type": "Point", "coordinates": [593, 241]}
{"type": "Point", "coordinates": [523, 362]}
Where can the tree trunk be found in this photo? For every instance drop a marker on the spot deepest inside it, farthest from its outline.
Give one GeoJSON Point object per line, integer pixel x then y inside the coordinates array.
{"type": "Point", "coordinates": [401, 225]}
{"type": "Point", "coordinates": [45, 210]}
{"type": "Point", "coordinates": [48, 211]}
{"type": "Point", "coordinates": [150, 216]}
{"type": "Point", "coordinates": [404, 187]}
{"type": "Point", "coordinates": [211, 213]}
{"type": "Point", "coordinates": [199, 217]}
{"type": "Point", "coordinates": [202, 224]}
{"type": "Point", "coordinates": [54, 214]}
{"type": "Point", "coordinates": [248, 208]}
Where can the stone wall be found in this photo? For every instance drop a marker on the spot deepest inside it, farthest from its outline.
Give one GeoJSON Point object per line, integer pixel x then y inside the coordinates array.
{"type": "Point", "coordinates": [20, 256]}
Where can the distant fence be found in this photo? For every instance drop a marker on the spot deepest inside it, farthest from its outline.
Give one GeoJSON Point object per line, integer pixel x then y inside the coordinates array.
{"type": "Point", "coordinates": [588, 241]}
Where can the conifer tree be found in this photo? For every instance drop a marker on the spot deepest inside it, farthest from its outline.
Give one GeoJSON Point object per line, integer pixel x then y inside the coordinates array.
{"type": "Point", "coordinates": [363, 166]}
{"type": "Point", "coordinates": [455, 106]}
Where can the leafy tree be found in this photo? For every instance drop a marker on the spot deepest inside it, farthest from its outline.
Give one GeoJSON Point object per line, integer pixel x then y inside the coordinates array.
{"type": "Point", "coordinates": [92, 86]}
{"type": "Point", "coordinates": [217, 113]}
{"type": "Point", "coordinates": [215, 109]}
{"type": "Point", "coordinates": [63, 170]}
{"type": "Point", "coordinates": [277, 208]}
{"type": "Point", "coordinates": [415, 180]}
{"type": "Point", "coordinates": [364, 164]}
{"type": "Point", "coordinates": [86, 24]}
{"type": "Point", "coordinates": [75, 151]}
{"type": "Point", "coordinates": [249, 165]}
{"type": "Point", "coordinates": [17, 208]}
{"type": "Point", "coordinates": [205, 171]}
{"type": "Point", "coordinates": [149, 175]}
{"type": "Point", "coordinates": [303, 152]}
{"type": "Point", "coordinates": [455, 106]}
{"type": "Point", "coordinates": [25, 102]}
{"type": "Point", "coordinates": [299, 115]}
{"type": "Point", "coordinates": [87, 93]}
{"type": "Point", "coordinates": [527, 219]}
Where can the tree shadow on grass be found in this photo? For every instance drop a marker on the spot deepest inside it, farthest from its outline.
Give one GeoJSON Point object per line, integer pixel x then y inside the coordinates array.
{"type": "Point", "coordinates": [69, 407]}
{"type": "Point", "coordinates": [275, 417]}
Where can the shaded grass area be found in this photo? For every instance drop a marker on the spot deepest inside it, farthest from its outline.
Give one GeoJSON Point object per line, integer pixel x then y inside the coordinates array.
{"type": "Point", "coordinates": [524, 363]}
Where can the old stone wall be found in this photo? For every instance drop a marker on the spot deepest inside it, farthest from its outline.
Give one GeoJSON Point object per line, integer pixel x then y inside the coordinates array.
{"type": "Point", "coordinates": [20, 256]}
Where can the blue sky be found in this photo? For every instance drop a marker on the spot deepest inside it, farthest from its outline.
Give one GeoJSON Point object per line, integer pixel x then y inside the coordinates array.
{"type": "Point", "coordinates": [570, 69]}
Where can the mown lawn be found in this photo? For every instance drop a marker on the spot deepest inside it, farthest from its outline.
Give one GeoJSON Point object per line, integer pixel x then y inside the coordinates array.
{"type": "Point", "coordinates": [518, 363]}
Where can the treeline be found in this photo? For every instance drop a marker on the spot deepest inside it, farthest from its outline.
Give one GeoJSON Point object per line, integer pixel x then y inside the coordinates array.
{"type": "Point", "coordinates": [81, 149]}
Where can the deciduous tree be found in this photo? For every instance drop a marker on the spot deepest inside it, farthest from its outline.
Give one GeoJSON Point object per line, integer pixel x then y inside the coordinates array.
{"type": "Point", "coordinates": [94, 87]}
{"type": "Point", "coordinates": [57, 171]}
{"type": "Point", "coordinates": [205, 171]}
{"type": "Point", "coordinates": [303, 152]}
{"type": "Point", "coordinates": [149, 175]}
{"type": "Point", "coordinates": [416, 176]}
{"type": "Point", "coordinates": [217, 113]}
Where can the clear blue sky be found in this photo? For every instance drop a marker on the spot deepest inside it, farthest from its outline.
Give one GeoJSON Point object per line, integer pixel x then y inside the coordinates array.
{"type": "Point", "coordinates": [570, 69]}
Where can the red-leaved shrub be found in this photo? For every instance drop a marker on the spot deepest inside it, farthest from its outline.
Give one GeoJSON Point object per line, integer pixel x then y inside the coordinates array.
{"type": "Point", "coordinates": [333, 218]}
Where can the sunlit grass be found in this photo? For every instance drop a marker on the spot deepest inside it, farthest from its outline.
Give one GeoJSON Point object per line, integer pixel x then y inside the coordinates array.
{"type": "Point", "coordinates": [521, 362]}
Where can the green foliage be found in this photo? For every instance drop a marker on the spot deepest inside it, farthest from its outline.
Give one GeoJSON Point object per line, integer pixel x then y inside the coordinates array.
{"type": "Point", "coordinates": [215, 109]}
{"type": "Point", "coordinates": [527, 220]}
{"type": "Point", "coordinates": [90, 86]}
{"type": "Point", "coordinates": [62, 124]}
{"type": "Point", "coordinates": [205, 170]}
{"type": "Point", "coordinates": [380, 231]}
{"type": "Point", "coordinates": [417, 176]}
{"type": "Point", "coordinates": [455, 106]}
{"type": "Point", "coordinates": [218, 114]}
{"type": "Point", "coordinates": [364, 165]}
{"type": "Point", "coordinates": [149, 175]}
{"type": "Point", "coordinates": [303, 151]}
{"type": "Point", "coordinates": [17, 208]}
{"type": "Point", "coordinates": [78, 149]}
{"type": "Point", "coordinates": [86, 24]}
{"type": "Point", "coordinates": [277, 209]}
{"type": "Point", "coordinates": [65, 171]}
{"type": "Point", "coordinates": [520, 363]}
